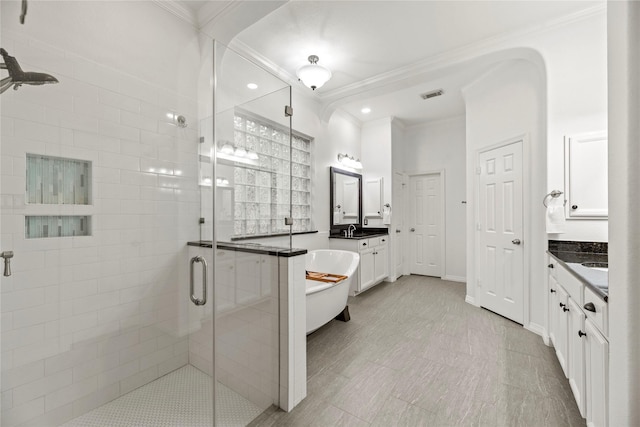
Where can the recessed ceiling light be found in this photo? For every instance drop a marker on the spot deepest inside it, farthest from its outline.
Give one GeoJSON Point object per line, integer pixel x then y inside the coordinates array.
{"type": "Point", "coordinates": [252, 86]}
{"type": "Point", "coordinates": [365, 110]}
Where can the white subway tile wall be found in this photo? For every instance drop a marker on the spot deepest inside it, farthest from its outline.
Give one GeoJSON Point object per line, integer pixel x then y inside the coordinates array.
{"type": "Point", "coordinates": [88, 319]}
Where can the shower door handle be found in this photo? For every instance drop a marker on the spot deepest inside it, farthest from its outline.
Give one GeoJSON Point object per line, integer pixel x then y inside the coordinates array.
{"type": "Point", "coordinates": [194, 299]}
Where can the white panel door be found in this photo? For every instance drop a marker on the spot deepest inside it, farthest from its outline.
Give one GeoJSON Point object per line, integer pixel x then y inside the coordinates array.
{"type": "Point", "coordinates": [425, 225]}
{"type": "Point", "coordinates": [500, 225]}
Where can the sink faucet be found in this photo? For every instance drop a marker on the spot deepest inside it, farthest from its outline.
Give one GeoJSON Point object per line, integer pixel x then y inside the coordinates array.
{"type": "Point", "coordinates": [350, 232]}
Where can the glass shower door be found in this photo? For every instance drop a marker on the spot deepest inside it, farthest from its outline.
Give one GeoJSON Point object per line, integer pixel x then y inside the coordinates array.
{"type": "Point", "coordinates": [251, 178]}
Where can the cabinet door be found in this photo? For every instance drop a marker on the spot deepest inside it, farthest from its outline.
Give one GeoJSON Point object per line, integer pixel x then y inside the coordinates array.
{"type": "Point", "coordinates": [597, 381]}
{"type": "Point", "coordinates": [586, 175]}
{"type": "Point", "coordinates": [266, 282]}
{"type": "Point", "coordinates": [553, 309]}
{"type": "Point", "coordinates": [562, 329]}
{"type": "Point", "coordinates": [381, 262]}
{"type": "Point", "coordinates": [367, 269]}
{"type": "Point", "coordinates": [225, 281]}
{"type": "Point", "coordinates": [248, 285]}
{"type": "Point", "coordinates": [576, 354]}
{"type": "Point", "coordinates": [373, 198]}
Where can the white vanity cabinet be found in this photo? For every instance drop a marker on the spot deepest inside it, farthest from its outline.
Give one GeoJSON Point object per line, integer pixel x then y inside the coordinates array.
{"type": "Point", "coordinates": [597, 375]}
{"type": "Point", "coordinates": [576, 362]}
{"type": "Point", "coordinates": [577, 329]}
{"type": "Point", "coordinates": [374, 260]}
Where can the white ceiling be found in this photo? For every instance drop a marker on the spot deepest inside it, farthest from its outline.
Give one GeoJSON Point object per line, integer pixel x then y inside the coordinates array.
{"type": "Point", "coordinates": [364, 42]}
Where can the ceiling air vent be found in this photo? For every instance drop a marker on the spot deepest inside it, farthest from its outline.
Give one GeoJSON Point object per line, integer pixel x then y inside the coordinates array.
{"type": "Point", "coordinates": [431, 94]}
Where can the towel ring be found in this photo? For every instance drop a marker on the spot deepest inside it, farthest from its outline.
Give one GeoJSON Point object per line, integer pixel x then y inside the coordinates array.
{"type": "Point", "coordinates": [554, 194]}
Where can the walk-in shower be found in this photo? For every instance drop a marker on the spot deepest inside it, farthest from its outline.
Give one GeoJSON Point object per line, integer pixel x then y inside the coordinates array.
{"type": "Point", "coordinates": [112, 183]}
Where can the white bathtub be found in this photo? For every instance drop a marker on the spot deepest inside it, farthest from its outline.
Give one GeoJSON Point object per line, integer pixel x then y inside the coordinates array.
{"type": "Point", "coordinates": [326, 300]}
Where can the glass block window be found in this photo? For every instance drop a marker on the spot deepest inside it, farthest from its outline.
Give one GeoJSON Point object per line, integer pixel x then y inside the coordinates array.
{"type": "Point", "coordinates": [271, 176]}
{"type": "Point", "coordinates": [37, 227]}
{"type": "Point", "coordinates": [57, 181]}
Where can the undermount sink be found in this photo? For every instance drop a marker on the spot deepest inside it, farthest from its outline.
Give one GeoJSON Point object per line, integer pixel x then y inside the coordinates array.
{"type": "Point", "coordinates": [602, 266]}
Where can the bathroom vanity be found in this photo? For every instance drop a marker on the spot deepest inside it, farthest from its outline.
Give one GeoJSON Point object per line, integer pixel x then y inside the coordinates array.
{"type": "Point", "coordinates": [374, 260]}
{"type": "Point", "coordinates": [578, 322]}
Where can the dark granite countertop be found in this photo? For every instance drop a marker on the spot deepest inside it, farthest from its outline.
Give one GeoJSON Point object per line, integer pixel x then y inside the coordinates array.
{"type": "Point", "coordinates": [571, 255]}
{"type": "Point", "coordinates": [357, 236]}
{"type": "Point", "coordinates": [253, 248]}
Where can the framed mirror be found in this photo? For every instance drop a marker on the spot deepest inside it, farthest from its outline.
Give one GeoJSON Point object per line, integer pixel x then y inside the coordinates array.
{"type": "Point", "coordinates": [345, 198]}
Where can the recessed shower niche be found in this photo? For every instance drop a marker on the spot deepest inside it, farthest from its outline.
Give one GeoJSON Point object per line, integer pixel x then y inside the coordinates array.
{"type": "Point", "coordinates": [57, 181]}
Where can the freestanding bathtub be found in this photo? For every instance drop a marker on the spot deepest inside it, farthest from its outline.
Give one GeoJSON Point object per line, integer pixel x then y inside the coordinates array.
{"type": "Point", "coordinates": [327, 300]}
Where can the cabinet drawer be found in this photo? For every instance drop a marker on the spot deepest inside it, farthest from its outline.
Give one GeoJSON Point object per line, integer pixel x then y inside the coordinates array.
{"type": "Point", "coordinates": [600, 317]}
{"type": "Point", "coordinates": [552, 266]}
{"type": "Point", "coordinates": [573, 286]}
{"type": "Point", "coordinates": [364, 244]}
{"type": "Point", "coordinates": [383, 240]}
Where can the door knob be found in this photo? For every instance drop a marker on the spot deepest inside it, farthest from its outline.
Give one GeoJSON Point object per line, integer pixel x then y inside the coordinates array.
{"type": "Point", "coordinates": [516, 241]}
{"type": "Point", "coordinates": [412, 229]}
{"type": "Point", "coordinates": [398, 230]}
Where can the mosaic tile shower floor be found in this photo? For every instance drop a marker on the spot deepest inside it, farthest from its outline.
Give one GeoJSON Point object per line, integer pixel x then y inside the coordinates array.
{"type": "Point", "coordinates": [179, 399]}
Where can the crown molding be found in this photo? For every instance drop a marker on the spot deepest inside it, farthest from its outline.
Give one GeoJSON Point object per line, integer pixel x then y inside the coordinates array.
{"type": "Point", "coordinates": [210, 11]}
{"type": "Point", "coordinates": [439, 122]}
{"type": "Point", "coordinates": [179, 10]}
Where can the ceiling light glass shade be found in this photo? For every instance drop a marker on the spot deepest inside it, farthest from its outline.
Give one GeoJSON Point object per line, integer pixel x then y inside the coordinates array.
{"type": "Point", "coordinates": [313, 75]}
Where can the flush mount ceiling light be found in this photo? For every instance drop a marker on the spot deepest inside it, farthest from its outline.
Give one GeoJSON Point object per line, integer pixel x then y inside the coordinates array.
{"type": "Point", "coordinates": [313, 75]}
{"type": "Point", "coordinates": [365, 110]}
{"type": "Point", "coordinates": [252, 86]}
{"type": "Point", "coordinates": [349, 161]}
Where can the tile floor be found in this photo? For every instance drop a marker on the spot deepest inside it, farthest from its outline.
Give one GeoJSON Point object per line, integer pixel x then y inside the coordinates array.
{"type": "Point", "coordinates": [181, 398]}
{"type": "Point", "coordinates": [415, 354]}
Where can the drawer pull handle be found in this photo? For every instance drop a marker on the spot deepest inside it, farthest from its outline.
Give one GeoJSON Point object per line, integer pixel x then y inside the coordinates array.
{"type": "Point", "coordinates": [553, 291]}
{"type": "Point", "coordinates": [550, 266]}
{"type": "Point", "coordinates": [581, 334]}
{"type": "Point", "coordinates": [565, 309]}
{"type": "Point", "coordinates": [562, 305]}
{"type": "Point", "coordinates": [590, 307]}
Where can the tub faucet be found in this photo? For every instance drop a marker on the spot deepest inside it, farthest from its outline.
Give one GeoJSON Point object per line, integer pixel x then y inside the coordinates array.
{"type": "Point", "coordinates": [350, 230]}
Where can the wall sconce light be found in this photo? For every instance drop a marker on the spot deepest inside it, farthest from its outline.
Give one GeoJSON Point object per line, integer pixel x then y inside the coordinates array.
{"type": "Point", "coordinates": [237, 154]}
{"type": "Point", "coordinates": [313, 75]}
{"type": "Point", "coordinates": [349, 161]}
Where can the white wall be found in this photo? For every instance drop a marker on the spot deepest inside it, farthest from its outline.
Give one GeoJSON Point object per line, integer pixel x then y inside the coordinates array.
{"type": "Point", "coordinates": [624, 227]}
{"type": "Point", "coordinates": [576, 61]}
{"type": "Point", "coordinates": [86, 319]}
{"type": "Point", "coordinates": [376, 159]}
{"type": "Point", "coordinates": [441, 146]}
{"type": "Point", "coordinates": [506, 104]}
